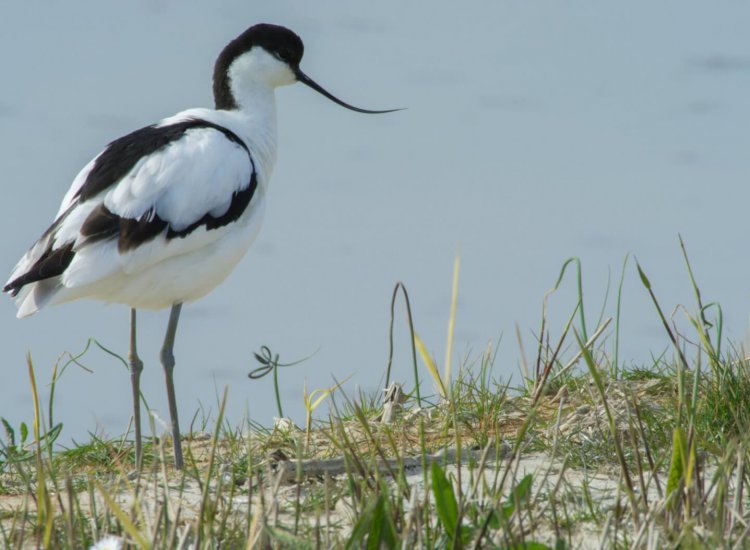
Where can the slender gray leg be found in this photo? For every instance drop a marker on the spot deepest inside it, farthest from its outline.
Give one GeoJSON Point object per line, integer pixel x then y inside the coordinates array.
{"type": "Point", "coordinates": [167, 361]}
{"type": "Point", "coordinates": [136, 366]}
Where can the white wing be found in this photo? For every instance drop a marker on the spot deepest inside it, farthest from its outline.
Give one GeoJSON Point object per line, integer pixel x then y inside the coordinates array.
{"type": "Point", "coordinates": [198, 175]}
{"type": "Point", "coordinates": [181, 185]}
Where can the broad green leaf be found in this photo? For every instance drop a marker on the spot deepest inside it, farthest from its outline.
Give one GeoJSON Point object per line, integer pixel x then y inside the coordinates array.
{"type": "Point", "coordinates": [494, 520]}
{"type": "Point", "coordinates": [677, 466]}
{"type": "Point", "coordinates": [522, 492]}
{"type": "Point", "coordinates": [445, 500]}
{"type": "Point", "coordinates": [361, 527]}
{"type": "Point", "coordinates": [690, 466]}
{"type": "Point", "coordinates": [376, 526]}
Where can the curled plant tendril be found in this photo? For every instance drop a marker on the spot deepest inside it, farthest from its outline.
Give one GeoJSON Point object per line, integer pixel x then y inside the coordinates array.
{"type": "Point", "coordinates": [269, 362]}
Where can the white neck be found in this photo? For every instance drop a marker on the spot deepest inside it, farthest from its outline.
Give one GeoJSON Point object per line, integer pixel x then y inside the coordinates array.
{"type": "Point", "coordinates": [253, 77]}
{"type": "Point", "coordinates": [258, 114]}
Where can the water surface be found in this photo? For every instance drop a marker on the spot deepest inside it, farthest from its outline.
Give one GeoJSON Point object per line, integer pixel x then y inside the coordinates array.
{"type": "Point", "coordinates": [534, 132]}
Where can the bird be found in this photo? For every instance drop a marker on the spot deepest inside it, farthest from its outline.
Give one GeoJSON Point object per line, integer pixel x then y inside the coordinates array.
{"type": "Point", "coordinates": [163, 214]}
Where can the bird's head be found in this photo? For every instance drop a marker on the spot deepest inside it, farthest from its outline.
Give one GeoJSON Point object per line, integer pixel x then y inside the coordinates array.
{"type": "Point", "coordinates": [266, 54]}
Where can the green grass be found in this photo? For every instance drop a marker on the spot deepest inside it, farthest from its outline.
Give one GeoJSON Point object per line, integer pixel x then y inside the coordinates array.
{"type": "Point", "coordinates": [585, 450]}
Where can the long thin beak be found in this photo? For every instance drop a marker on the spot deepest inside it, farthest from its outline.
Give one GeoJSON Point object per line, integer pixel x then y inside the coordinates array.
{"type": "Point", "coordinates": [306, 80]}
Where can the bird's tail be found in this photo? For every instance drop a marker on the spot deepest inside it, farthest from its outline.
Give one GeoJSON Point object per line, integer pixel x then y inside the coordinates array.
{"type": "Point", "coordinates": [33, 297]}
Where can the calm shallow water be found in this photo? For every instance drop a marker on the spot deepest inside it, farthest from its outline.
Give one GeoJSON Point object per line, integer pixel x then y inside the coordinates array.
{"type": "Point", "coordinates": [534, 132]}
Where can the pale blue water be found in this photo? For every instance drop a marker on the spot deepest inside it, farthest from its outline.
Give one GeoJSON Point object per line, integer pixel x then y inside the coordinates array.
{"type": "Point", "coordinates": [534, 132]}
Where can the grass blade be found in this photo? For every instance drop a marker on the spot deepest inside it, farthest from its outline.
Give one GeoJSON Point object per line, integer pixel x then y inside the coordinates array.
{"type": "Point", "coordinates": [431, 366]}
{"type": "Point", "coordinates": [127, 525]}
{"type": "Point", "coordinates": [445, 500]}
{"type": "Point", "coordinates": [451, 321]}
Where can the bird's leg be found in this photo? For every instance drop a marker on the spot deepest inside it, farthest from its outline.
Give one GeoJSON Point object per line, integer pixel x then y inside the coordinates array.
{"type": "Point", "coordinates": [136, 366]}
{"type": "Point", "coordinates": [167, 361]}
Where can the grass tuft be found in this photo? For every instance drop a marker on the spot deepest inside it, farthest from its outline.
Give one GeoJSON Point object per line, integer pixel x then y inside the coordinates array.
{"type": "Point", "coordinates": [587, 451]}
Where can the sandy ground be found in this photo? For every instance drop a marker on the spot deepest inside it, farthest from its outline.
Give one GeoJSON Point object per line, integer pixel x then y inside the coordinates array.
{"type": "Point", "coordinates": [587, 499]}
{"type": "Point", "coordinates": [182, 498]}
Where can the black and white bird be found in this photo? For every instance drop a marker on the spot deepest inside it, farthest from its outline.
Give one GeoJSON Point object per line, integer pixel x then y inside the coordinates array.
{"type": "Point", "coordinates": [162, 215]}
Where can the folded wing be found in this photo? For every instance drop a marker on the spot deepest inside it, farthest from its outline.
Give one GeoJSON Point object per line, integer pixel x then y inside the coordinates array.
{"type": "Point", "coordinates": [161, 191]}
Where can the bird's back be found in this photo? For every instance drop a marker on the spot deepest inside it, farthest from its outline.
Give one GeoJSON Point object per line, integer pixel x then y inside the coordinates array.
{"type": "Point", "coordinates": [160, 216]}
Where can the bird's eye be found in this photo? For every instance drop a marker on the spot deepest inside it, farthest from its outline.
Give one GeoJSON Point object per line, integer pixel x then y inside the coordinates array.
{"type": "Point", "coordinates": [284, 55]}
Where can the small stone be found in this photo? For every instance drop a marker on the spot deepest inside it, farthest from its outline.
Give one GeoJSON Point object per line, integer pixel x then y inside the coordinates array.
{"type": "Point", "coordinates": [283, 424]}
